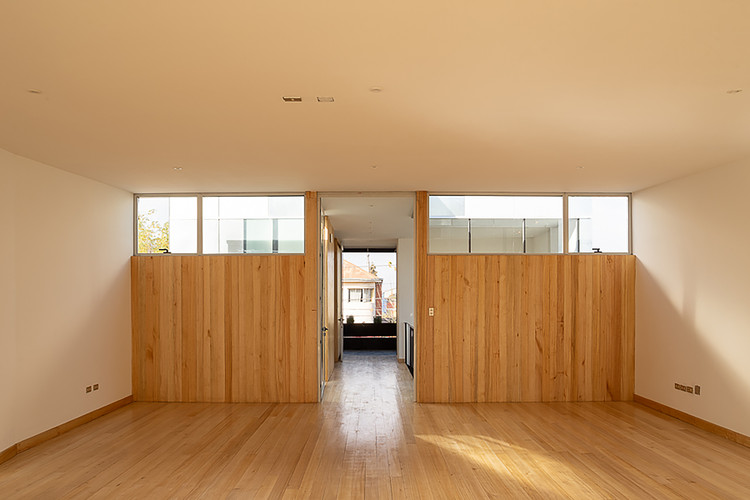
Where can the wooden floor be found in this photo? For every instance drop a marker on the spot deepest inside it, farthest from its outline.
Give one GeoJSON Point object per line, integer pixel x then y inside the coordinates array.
{"type": "Point", "coordinates": [369, 440]}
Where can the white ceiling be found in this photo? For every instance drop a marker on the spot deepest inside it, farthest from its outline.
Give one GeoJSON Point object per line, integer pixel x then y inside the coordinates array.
{"type": "Point", "coordinates": [492, 95]}
{"type": "Point", "coordinates": [370, 221]}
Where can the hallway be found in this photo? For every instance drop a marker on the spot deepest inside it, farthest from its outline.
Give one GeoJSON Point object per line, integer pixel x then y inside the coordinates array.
{"type": "Point", "coordinates": [369, 440]}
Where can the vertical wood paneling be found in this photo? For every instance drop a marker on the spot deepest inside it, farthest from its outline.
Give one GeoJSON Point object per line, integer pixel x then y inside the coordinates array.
{"type": "Point", "coordinates": [526, 328]}
{"type": "Point", "coordinates": [309, 343]}
{"type": "Point", "coordinates": [221, 329]}
{"type": "Point", "coordinates": [192, 324]}
{"type": "Point", "coordinates": [423, 335]}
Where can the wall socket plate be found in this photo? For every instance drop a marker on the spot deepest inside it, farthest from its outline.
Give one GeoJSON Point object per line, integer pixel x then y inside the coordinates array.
{"type": "Point", "coordinates": [688, 388]}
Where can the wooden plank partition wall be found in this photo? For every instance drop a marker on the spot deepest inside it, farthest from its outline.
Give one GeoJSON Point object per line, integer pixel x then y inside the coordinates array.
{"type": "Point", "coordinates": [523, 327]}
{"type": "Point", "coordinates": [226, 328]}
{"type": "Point", "coordinates": [219, 328]}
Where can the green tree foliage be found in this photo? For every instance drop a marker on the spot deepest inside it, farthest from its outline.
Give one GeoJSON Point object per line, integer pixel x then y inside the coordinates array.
{"type": "Point", "coordinates": [152, 235]}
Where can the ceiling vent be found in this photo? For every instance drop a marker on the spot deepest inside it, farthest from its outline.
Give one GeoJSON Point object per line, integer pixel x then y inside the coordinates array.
{"type": "Point", "coordinates": [292, 99]}
{"type": "Point", "coordinates": [325, 99]}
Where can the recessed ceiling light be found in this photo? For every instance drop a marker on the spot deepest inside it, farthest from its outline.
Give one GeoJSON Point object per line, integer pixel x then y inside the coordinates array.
{"type": "Point", "coordinates": [580, 167]}
{"type": "Point", "coordinates": [177, 169]}
{"type": "Point", "coordinates": [325, 99]}
{"type": "Point", "coordinates": [734, 91]}
{"type": "Point", "coordinates": [373, 166]}
{"type": "Point", "coordinates": [376, 89]}
{"type": "Point", "coordinates": [34, 91]}
{"type": "Point", "coordinates": [292, 99]}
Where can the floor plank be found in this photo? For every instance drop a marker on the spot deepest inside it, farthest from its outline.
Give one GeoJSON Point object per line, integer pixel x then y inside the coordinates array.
{"type": "Point", "coordinates": [368, 439]}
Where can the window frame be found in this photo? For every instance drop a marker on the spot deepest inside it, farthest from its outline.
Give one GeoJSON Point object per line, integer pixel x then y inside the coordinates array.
{"type": "Point", "coordinates": [199, 219]}
{"type": "Point", "coordinates": [566, 241]}
{"type": "Point", "coordinates": [199, 225]}
{"type": "Point", "coordinates": [349, 294]}
{"type": "Point", "coordinates": [565, 220]}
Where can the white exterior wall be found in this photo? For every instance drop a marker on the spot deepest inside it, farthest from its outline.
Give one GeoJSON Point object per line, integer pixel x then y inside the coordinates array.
{"type": "Point", "coordinates": [363, 312]}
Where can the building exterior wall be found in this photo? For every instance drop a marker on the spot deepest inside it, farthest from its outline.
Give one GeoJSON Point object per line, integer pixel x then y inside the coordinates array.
{"type": "Point", "coordinates": [363, 312]}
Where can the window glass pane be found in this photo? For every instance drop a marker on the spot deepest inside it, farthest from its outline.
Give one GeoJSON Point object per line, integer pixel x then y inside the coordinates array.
{"type": "Point", "coordinates": [496, 207]}
{"type": "Point", "coordinates": [183, 235]}
{"type": "Point", "coordinates": [496, 236]}
{"type": "Point", "coordinates": [259, 236]}
{"type": "Point", "coordinates": [210, 208]}
{"type": "Point", "coordinates": [243, 207]}
{"type": "Point", "coordinates": [286, 207]}
{"type": "Point", "coordinates": [253, 224]}
{"type": "Point", "coordinates": [543, 235]}
{"type": "Point", "coordinates": [496, 224]}
{"type": "Point", "coordinates": [169, 223]}
{"type": "Point", "coordinates": [513, 207]}
{"type": "Point", "coordinates": [447, 206]}
{"type": "Point", "coordinates": [449, 236]}
{"type": "Point", "coordinates": [231, 236]}
{"type": "Point", "coordinates": [291, 235]}
{"type": "Point", "coordinates": [210, 236]}
{"type": "Point", "coordinates": [367, 297]}
{"type": "Point", "coordinates": [598, 224]}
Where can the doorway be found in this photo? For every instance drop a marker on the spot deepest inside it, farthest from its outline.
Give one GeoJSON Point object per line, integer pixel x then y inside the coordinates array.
{"type": "Point", "coordinates": [370, 235]}
{"type": "Point", "coordinates": [370, 300]}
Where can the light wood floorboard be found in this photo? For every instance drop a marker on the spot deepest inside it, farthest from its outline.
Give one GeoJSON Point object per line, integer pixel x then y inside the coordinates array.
{"type": "Point", "coordinates": [369, 440]}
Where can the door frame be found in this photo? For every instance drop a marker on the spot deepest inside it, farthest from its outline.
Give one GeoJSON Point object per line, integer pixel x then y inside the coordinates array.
{"type": "Point", "coordinates": [414, 195]}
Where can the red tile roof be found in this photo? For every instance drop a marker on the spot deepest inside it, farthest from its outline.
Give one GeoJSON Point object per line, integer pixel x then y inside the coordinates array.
{"type": "Point", "coordinates": [356, 273]}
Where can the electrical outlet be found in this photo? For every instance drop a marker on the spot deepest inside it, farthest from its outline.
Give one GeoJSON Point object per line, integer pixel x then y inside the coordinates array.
{"type": "Point", "coordinates": [431, 311]}
{"type": "Point", "coordinates": [88, 389]}
{"type": "Point", "coordinates": [96, 387]}
{"type": "Point", "coordinates": [687, 388]}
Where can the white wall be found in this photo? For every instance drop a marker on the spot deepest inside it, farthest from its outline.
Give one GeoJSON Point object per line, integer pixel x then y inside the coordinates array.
{"type": "Point", "coordinates": [7, 305]}
{"type": "Point", "coordinates": [363, 312]}
{"type": "Point", "coordinates": [405, 307]}
{"type": "Point", "coordinates": [66, 321]}
{"type": "Point", "coordinates": [693, 294]}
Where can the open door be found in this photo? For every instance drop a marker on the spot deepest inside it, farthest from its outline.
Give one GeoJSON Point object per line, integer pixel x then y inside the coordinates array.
{"type": "Point", "coordinates": [329, 337]}
{"type": "Point", "coordinates": [338, 312]}
{"type": "Point", "coordinates": [322, 316]}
